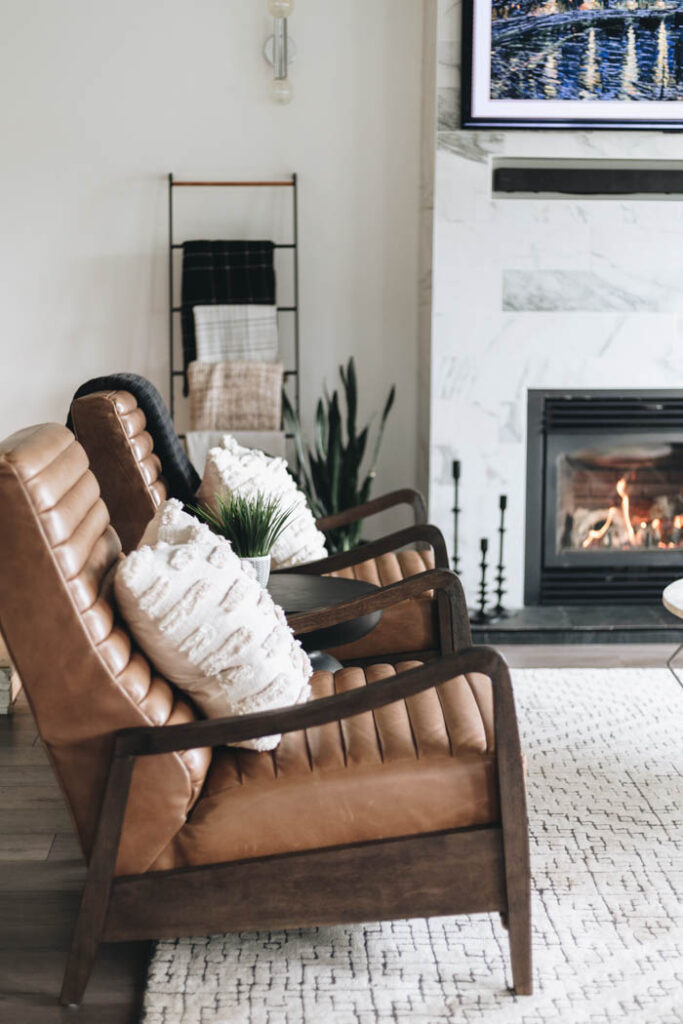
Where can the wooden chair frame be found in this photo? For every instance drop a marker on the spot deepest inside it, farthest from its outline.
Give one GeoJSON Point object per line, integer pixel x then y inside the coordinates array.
{"type": "Point", "coordinates": [421, 533]}
{"type": "Point", "coordinates": [461, 871]}
{"type": "Point", "coordinates": [404, 496]}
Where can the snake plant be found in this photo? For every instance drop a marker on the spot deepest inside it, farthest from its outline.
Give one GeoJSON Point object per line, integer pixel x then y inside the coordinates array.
{"type": "Point", "coordinates": [329, 473]}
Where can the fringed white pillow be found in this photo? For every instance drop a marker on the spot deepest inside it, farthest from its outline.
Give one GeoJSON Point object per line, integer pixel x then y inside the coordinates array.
{"type": "Point", "coordinates": [230, 468]}
{"type": "Point", "coordinates": [207, 625]}
{"type": "Point", "coordinates": [170, 523]}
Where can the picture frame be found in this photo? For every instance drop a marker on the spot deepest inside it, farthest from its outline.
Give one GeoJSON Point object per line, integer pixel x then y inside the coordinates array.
{"type": "Point", "coordinates": [592, 64]}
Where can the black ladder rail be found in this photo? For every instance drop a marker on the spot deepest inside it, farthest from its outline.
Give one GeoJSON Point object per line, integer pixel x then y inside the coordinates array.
{"type": "Point", "coordinates": [293, 246]}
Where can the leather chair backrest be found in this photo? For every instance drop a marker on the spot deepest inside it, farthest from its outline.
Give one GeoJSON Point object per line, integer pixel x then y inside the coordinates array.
{"type": "Point", "coordinates": [111, 427]}
{"type": "Point", "coordinates": [81, 675]}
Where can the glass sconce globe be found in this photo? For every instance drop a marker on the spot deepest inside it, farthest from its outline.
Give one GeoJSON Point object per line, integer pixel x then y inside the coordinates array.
{"type": "Point", "coordinates": [281, 8]}
{"type": "Point", "coordinates": [281, 90]}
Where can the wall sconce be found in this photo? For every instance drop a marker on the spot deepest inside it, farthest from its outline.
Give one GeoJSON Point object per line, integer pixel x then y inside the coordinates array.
{"type": "Point", "coordinates": [279, 50]}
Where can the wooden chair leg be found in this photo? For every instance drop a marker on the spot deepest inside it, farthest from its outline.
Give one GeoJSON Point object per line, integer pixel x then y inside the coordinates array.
{"type": "Point", "coordinates": [82, 955]}
{"type": "Point", "coordinates": [519, 934]}
{"type": "Point", "coordinates": [511, 787]}
{"type": "Point", "coordinates": [95, 901]}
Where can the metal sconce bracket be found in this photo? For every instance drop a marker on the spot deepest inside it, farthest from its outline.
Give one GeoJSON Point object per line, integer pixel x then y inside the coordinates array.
{"type": "Point", "coordinates": [280, 50]}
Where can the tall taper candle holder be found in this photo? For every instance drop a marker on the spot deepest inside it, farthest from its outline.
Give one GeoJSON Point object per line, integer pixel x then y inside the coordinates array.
{"type": "Point", "coordinates": [456, 514]}
{"type": "Point", "coordinates": [482, 615]}
{"type": "Point", "coordinates": [498, 610]}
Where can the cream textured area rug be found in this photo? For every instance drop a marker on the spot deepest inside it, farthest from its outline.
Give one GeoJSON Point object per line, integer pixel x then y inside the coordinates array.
{"type": "Point", "coordinates": [605, 781]}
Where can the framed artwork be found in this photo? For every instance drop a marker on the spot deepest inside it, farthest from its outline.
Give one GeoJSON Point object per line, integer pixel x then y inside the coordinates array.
{"type": "Point", "coordinates": [573, 63]}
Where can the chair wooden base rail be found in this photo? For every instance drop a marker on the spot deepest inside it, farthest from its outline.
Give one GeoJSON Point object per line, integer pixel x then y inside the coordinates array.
{"type": "Point", "coordinates": [470, 870]}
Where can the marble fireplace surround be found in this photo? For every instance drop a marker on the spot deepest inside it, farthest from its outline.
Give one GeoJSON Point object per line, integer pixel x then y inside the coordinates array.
{"type": "Point", "coordinates": [542, 292]}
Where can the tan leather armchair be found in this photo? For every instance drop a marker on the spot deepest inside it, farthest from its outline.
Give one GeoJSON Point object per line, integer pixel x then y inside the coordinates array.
{"type": "Point", "coordinates": [111, 427]}
{"type": "Point", "coordinates": [184, 835]}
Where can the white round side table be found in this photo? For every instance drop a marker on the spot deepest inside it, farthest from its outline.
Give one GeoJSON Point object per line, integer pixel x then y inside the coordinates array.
{"type": "Point", "coordinates": [672, 599]}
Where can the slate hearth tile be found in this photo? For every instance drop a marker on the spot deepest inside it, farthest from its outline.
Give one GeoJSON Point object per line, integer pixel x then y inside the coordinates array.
{"type": "Point", "coordinates": [620, 617]}
{"type": "Point", "coordinates": [582, 624]}
{"type": "Point", "coordinates": [534, 617]}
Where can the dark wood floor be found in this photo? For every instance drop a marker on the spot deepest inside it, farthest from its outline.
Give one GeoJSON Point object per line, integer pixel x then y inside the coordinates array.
{"type": "Point", "coordinates": [41, 877]}
{"type": "Point", "coordinates": [41, 871]}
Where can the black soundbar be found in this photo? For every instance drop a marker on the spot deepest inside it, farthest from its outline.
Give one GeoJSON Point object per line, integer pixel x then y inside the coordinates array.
{"type": "Point", "coordinates": [587, 181]}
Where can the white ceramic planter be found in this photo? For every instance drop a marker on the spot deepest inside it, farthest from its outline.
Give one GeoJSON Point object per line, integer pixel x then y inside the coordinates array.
{"type": "Point", "coordinates": [261, 566]}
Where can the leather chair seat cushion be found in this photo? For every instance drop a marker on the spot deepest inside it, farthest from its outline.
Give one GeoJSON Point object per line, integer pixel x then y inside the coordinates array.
{"type": "Point", "coordinates": [415, 766]}
{"type": "Point", "coordinates": [409, 626]}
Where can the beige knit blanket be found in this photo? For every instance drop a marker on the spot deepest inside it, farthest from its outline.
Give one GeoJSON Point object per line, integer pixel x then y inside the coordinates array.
{"type": "Point", "coordinates": [235, 396]}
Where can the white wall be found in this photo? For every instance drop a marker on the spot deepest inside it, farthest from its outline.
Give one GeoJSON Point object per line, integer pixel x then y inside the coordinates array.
{"type": "Point", "coordinates": [535, 293]}
{"type": "Point", "coordinates": [101, 101]}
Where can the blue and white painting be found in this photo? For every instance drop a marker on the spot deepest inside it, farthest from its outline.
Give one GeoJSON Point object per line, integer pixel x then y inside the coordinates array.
{"type": "Point", "coordinates": [611, 60]}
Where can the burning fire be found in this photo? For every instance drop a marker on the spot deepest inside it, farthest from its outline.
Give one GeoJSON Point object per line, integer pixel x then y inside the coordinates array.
{"type": "Point", "coordinates": [625, 509]}
{"type": "Point", "coordinates": [655, 532]}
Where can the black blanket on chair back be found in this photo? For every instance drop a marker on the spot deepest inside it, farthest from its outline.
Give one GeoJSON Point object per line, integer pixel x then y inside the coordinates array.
{"type": "Point", "coordinates": [181, 477]}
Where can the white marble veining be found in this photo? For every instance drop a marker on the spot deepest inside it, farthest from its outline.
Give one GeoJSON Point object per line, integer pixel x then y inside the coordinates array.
{"type": "Point", "coordinates": [448, 65]}
{"type": "Point", "coordinates": [575, 290]}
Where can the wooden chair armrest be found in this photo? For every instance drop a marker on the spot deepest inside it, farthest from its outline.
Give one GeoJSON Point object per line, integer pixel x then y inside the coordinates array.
{"type": "Point", "coordinates": [422, 532]}
{"type": "Point", "coordinates": [404, 496]}
{"type": "Point", "coordinates": [378, 600]}
{"type": "Point", "coordinates": [147, 740]}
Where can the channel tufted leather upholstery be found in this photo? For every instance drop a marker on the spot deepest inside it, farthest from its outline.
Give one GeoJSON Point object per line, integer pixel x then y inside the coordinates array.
{"type": "Point", "coordinates": [415, 766]}
{"type": "Point", "coordinates": [82, 677]}
{"type": "Point", "coordinates": [407, 626]}
{"type": "Point", "coordinates": [112, 428]}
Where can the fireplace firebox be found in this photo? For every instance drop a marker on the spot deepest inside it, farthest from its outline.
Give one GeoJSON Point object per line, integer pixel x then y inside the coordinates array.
{"type": "Point", "coordinates": [604, 520]}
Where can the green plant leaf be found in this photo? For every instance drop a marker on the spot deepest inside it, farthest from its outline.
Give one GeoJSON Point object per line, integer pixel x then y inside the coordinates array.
{"type": "Point", "coordinates": [380, 431]}
{"type": "Point", "coordinates": [320, 429]}
{"type": "Point", "coordinates": [351, 387]}
{"type": "Point", "coordinates": [332, 479]}
{"type": "Point", "coordinates": [251, 523]}
{"type": "Point", "coordinates": [321, 487]}
{"type": "Point", "coordinates": [334, 452]}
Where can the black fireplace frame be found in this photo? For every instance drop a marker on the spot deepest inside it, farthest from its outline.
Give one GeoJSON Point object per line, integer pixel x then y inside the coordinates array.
{"type": "Point", "coordinates": [550, 579]}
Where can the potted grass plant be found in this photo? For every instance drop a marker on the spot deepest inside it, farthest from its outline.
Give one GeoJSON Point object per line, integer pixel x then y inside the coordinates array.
{"type": "Point", "coordinates": [251, 523]}
{"type": "Point", "coordinates": [330, 471]}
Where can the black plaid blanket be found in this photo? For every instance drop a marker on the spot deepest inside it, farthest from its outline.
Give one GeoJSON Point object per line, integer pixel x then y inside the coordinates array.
{"type": "Point", "coordinates": [181, 476]}
{"type": "Point", "coordinates": [226, 273]}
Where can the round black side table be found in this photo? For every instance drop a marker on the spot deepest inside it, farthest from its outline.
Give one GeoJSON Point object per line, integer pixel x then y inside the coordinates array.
{"type": "Point", "coordinates": [298, 592]}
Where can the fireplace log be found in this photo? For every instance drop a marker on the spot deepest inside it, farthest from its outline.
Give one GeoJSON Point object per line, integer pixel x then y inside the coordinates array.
{"type": "Point", "coordinates": [587, 519]}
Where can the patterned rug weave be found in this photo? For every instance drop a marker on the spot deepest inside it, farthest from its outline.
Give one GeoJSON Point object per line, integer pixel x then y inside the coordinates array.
{"type": "Point", "coordinates": [605, 786]}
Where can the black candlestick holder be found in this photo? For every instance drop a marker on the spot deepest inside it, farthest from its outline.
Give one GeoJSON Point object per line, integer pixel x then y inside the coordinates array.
{"type": "Point", "coordinates": [482, 615]}
{"type": "Point", "coordinates": [498, 610]}
{"type": "Point", "coordinates": [456, 515]}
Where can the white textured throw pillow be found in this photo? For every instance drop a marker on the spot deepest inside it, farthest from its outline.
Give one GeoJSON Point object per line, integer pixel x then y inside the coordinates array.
{"type": "Point", "coordinates": [206, 624]}
{"type": "Point", "coordinates": [170, 523]}
{"type": "Point", "coordinates": [230, 468]}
